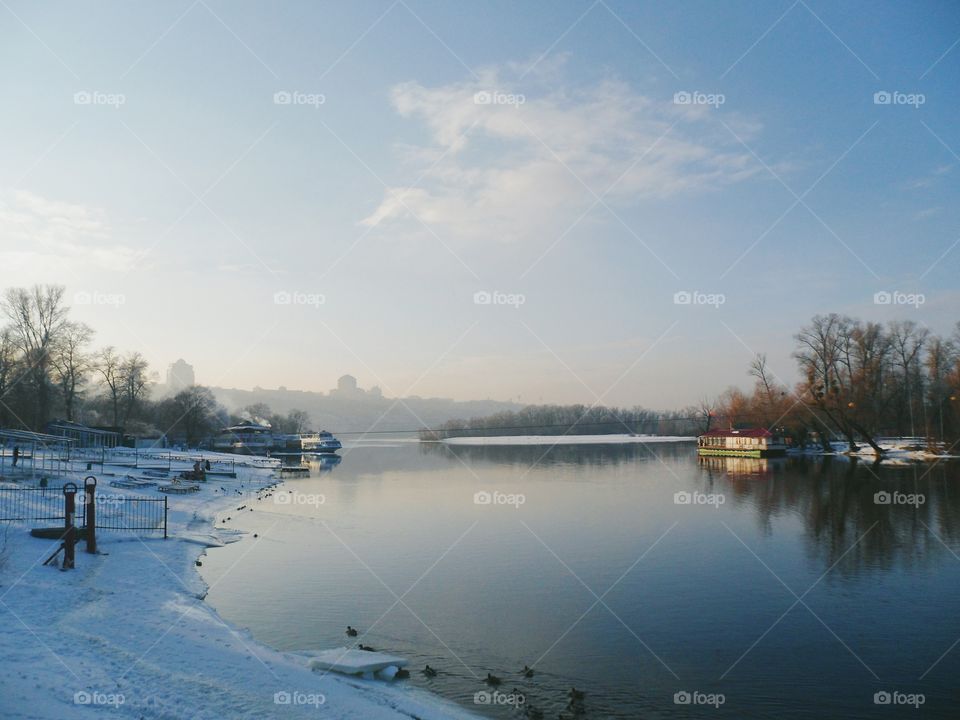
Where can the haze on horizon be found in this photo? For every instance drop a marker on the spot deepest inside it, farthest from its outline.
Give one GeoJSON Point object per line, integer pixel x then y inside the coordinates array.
{"type": "Point", "coordinates": [485, 201]}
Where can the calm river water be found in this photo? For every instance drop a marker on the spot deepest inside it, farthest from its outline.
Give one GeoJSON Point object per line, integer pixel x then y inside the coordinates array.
{"type": "Point", "coordinates": [764, 589]}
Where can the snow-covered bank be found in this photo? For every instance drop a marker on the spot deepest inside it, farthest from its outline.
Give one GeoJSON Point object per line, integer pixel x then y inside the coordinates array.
{"type": "Point", "coordinates": [127, 632]}
{"type": "Point", "coordinates": [566, 439]}
{"type": "Point", "coordinates": [895, 450]}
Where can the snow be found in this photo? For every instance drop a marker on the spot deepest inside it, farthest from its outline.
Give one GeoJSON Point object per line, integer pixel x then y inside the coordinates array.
{"type": "Point", "coordinates": [566, 439]}
{"type": "Point", "coordinates": [895, 450]}
{"type": "Point", "coordinates": [128, 632]}
{"type": "Point", "coordinates": [352, 660]}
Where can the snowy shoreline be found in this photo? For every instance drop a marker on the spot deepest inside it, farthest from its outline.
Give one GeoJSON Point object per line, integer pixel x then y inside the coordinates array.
{"type": "Point", "coordinates": [895, 451]}
{"type": "Point", "coordinates": [128, 631]}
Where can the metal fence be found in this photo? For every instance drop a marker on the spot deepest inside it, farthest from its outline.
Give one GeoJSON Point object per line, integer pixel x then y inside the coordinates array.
{"type": "Point", "coordinates": [114, 512]}
{"type": "Point", "coordinates": [31, 504]}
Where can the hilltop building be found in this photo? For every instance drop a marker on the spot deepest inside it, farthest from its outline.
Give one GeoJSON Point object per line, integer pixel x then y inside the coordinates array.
{"type": "Point", "coordinates": [180, 376]}
{"type": "Point", "coordinates": [347, 388]}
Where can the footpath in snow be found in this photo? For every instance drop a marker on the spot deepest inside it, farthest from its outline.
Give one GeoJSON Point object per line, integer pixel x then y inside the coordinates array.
{"type": "Point", "coordinates": [127, 633]}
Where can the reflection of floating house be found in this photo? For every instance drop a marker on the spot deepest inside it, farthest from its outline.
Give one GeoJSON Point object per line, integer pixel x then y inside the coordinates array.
{"type": "Point", "coordinates": [751, 442]}
{"type": "Point", "coordinates": [740, 466]}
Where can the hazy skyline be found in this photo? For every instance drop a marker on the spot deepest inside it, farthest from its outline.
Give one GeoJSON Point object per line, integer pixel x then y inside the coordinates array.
{"type": "Point", "coordinates": [284, 194]}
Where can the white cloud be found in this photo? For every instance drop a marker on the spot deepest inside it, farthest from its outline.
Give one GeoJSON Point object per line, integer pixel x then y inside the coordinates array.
{"type": "Point", "coordinates": [36, 232]}
{"type": "Point", "coordinates": [511, 170]}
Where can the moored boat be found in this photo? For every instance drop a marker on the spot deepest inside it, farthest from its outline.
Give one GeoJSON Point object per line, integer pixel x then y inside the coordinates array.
{"type": "Point", "coordinates": [327, 443]}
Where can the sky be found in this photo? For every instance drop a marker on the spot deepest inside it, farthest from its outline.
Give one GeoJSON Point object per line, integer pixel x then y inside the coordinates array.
{"type": "Point", "coordinates": [590, 202]}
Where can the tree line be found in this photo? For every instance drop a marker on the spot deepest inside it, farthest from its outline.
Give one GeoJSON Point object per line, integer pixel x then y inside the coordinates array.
{"type": "Point", "coordinates": [861, 380]}
{"type": "Point", "coordinates": [50, 369]}
{"type": "Point", "coordinates": [569, 420]}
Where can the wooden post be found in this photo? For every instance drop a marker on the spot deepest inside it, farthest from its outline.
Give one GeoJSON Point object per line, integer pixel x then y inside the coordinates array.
{"type": "Point", "coordinates": [90, 489]}
{"type": "Point", "coordinates": [70, 530]}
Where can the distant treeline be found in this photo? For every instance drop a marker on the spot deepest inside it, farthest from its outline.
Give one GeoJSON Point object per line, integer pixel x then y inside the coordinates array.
{"type": "Point", "coordinates": [861, 380]}
{"type": "Point", "coordinates": [569, 420]}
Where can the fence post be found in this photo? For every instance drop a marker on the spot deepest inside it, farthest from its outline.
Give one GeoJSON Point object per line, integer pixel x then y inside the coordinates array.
{"type": "Point", "coordinates": [70, 534]}
{"type": "Point", "coordinates": [164, 517]}
{"type": "Point", "coordinates": [90, 489]}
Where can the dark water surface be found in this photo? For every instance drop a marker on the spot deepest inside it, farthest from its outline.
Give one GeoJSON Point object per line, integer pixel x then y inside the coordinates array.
{"type": "Point", "coordinates": [784, 585]}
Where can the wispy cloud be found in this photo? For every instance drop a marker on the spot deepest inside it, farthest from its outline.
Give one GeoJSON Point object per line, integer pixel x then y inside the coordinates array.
{"type": "Point", "coordinates": [930, 179]}
{"type": "Point", "coordinates": [504, 164]}
{"type": "Point", "coordinates": [38, 232]}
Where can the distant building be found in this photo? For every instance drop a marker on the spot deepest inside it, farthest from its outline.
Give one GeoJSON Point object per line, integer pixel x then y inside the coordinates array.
{"type": "Point", "coordinates": [375, 392]}
{"type": "Point", "coordinates": [180, 376]}
{"type": "Point", "coordinates": [346, 388]}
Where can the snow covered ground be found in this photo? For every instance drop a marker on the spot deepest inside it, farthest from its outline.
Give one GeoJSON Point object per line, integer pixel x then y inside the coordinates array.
{"type": "Point", "coordinates": [895, 450]}
{"type": "Point", "coordinates": [127, 634]}
{"type": "Point", "coordinates": [566, 439]}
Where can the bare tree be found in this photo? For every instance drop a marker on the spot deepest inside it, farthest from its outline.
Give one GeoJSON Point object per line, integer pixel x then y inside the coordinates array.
{"type": "Point", "coordinates": [8, 373]}
{"type": "Point", "coordinates": [825, 354]}
{"type": "Point", "coordinates": [942, 356]}
{"type": "Point", "coordinates": [70, 363]}
{"type": "Point", "coordinates": [37, 317]}
{"type": "Point", "coordinates": [298, 420]}
{"type": "Point", "coordinates": [705, 411]}
{"type": "Point", "coordinates": [907, 340]}
{"type": "Point", "coordinates": [109, 364]}
{"type": "Point", "coordinates": [758, 370]}
{"type": "Point", "coordinates": [195, 412]}
{"type": "Point", "coordinates": [133, 376]}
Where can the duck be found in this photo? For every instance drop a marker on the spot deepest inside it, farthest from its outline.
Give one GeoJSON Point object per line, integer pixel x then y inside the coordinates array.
{"type": "Point", "coordinates": [429, 671]}
{"type": "Point", "coordinates": [366, 648]}
{"type": "Point", "coordinates": [527, 671]}
{"type": "Point", "coordinates": [577, 695]}
{"type": "Point", "coordinates": [492, 680]}
{"type": "Point", "coordinates": [352, 632]}
{"type": "Point", "coordinates": [402, 674]}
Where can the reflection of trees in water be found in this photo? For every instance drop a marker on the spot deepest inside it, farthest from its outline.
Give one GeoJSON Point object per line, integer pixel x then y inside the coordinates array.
{"type": "Point", "coordinates": [837, 501]}
{"type": "Point", "coordinates": [546, 455]}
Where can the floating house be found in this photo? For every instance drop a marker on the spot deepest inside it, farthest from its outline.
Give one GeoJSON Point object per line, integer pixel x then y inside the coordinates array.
{"type": "Point", "coordinates": [750, 442]}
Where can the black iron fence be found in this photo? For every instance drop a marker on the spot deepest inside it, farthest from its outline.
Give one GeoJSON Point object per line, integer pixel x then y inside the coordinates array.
{"type": "Point", "coordinates": [114, 511]}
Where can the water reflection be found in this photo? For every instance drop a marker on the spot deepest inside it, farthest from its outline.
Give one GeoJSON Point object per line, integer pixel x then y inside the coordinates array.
{"type": "Point", "coordinates": [320, 463]}
{"type": "Point", "coordinates": [576, 455]}
{"type": "Point", "coordinates": [512, 588]}
{"type": "Point", "coordinates": [902, 513]}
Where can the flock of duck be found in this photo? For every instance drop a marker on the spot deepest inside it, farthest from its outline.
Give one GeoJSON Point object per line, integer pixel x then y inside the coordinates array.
{"type": "Point", "coordinates": [575, 697]}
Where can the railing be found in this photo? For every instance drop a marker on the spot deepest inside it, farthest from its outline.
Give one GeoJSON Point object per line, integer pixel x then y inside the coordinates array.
{"type": "Point", "coordinates": [31, 504]}
{"type": "Point", "coordinates": [114, 511]}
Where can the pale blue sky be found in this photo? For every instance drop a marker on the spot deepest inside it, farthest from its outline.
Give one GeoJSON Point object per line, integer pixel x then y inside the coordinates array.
{"type": "Point", "coordinates": [182, 197]}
